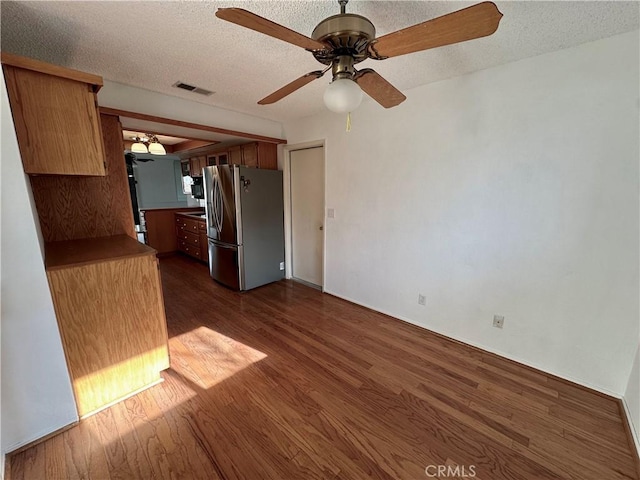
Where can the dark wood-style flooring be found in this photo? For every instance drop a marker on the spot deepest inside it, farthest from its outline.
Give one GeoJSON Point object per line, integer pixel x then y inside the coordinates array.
{"type": "Point", "coordinates": [284, 382]}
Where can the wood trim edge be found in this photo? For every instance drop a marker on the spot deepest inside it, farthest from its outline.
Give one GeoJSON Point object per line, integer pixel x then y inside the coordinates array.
{"type": "Point", "coordinates": [38, 441]}
{"type": "Point", "coordinates": [51, 69]}
{"type": "Point", "coordinates": [626, 420]}
{"type": "Point", "coordinates": [7, 467]}
{"type": "Point", "coordinates": [196, 126]}
{"type": "Point", "coordinates": [124, 397]}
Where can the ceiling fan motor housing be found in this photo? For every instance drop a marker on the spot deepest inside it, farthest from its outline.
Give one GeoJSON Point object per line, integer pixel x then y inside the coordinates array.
{"type": "Point", "coordinates": [346, 34]}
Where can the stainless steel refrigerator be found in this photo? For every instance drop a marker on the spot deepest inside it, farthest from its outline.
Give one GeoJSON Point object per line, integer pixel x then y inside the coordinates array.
{"type": "Point", "coordinates": [245, 225]}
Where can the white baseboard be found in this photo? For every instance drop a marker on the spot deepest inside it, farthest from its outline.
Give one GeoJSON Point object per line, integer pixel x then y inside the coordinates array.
{"type": "Point", "coordinates": [634, 428]}
{"type": "Point", "coordinates": [45, 432]}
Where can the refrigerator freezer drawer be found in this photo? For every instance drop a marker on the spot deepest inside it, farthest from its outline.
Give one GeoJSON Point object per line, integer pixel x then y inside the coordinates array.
{"type": "Point", "coordinates": [225, 262]}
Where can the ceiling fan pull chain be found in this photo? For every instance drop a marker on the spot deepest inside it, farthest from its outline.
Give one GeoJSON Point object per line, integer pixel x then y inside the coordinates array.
{"type": "Point", "coordinates": [349, 122]}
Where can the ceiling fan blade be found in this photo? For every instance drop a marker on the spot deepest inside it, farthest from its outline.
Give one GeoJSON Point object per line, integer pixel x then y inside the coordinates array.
{"type": "Point", "coordinates": [374, 85]}
{"type": "Point", "coordinates": [291, 87]}
{"type": "Point", "coordinates": [250, 20]}
{"type": "Point", "coordinates": [472, 22]}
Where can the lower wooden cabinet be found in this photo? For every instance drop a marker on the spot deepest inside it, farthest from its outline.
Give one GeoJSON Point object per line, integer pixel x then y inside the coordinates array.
{"type": "Point", "coordinates": [160, 226]}
{"type": "Point", "coordinates": [204, 241]}
{"type": "Point", "coordinates": [109, 306]}
{"type": "Point", "coordinates": [191, 235]}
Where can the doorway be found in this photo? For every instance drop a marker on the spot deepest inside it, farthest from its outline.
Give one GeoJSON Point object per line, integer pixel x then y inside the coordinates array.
{"type": "Point", "coordinates": [306, 214]}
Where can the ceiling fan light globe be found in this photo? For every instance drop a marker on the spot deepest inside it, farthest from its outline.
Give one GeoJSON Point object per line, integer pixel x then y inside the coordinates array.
{"type": "Point", "coordinates": [342, 96]}
{"type": "Point", "coordinates": [157, 149]}
{"type": "Point", "coordinates": [139, 148]}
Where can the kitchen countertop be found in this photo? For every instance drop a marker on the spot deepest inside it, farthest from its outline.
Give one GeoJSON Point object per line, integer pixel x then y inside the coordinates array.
{"type": "Point", "coordinates": [73, 253]}
{"type": "Point", "coordinates": [198, 216]}
{"type": "Point", "coordinates": [160, 209]}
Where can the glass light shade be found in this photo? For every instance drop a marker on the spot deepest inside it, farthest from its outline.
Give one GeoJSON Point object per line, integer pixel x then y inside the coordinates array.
{"type": "Point", "coordinates": [342, 96]}
{"type": "Point", "coordinates": [157, 149]}
{"type": "Point", "coordinates": [139, 148]}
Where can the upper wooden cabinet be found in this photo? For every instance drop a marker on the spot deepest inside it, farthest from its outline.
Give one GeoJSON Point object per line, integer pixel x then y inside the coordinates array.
{"type": "Point", "coordinates": [250, 155]}
{"type": "Point", "coordinates": [218, 158]}
{"type": "Point", "coordinates": [255, 154]}
{"type": "Point", "coordinates": [56, 117]}
{"type": "Point", "coordinates": [235, 155]}
{"type": "Point", "coordinates": [196, 164]}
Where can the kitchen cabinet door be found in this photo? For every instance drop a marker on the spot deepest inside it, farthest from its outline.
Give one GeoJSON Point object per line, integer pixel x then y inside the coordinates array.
{"type": "Point", "coordinates": [267, 155]}
{"type": "Point", "coordinates": [219, 158]}
{"type": "Point", "coordinates": [57, 123]}
{"type": "Point", "coordinates": [250, 154]}
{"type": "Point", "coordinates": [235, 155]}
{"type": "Point", "coordinates": [196, 164]}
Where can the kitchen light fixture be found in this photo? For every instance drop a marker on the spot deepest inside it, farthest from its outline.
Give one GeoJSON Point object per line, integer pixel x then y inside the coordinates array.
{"type": "Point", "coordinates": [147, 144]}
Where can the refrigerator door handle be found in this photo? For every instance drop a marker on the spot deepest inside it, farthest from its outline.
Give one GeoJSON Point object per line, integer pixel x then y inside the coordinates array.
{"type": "Point", "coordinates": [223, 245]}
{"type": "Point", "coordinates": [209, 210]}
{"type": "Point", "coordinates": [215, 193]}
{"type": "Point", "coordinates": [214, 200]}
{"type": "Point", "coordinates": [219, 205]}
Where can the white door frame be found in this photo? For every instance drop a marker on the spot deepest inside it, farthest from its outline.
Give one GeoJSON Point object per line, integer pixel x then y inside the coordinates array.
{"type": "Point", "coordinates": [288, 242]}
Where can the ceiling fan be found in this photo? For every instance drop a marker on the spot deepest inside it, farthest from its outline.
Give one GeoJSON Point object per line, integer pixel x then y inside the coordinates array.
{"type": "Point", "coordinates": [342, 41]}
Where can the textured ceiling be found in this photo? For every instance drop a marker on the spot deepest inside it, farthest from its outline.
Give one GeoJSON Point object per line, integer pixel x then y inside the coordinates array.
{"type": "Point", "coordinates": [154, 44]}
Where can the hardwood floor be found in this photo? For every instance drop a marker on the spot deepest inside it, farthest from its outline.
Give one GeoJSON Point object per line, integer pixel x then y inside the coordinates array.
{"type": "Point", "coordinates": [283, 382]}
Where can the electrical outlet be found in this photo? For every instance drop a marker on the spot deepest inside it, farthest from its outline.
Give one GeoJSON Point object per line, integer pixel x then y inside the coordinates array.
{"type": "Point", "coordinates": [422, 300]}
{"type": "Point", "coordinates": [281, 265]}
{"type": "Point", "coordinates": [331, 213]}
{"type": "Point", "coordinates": [498, 321]}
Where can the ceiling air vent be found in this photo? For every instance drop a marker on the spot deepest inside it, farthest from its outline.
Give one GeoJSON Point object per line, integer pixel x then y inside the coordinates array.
{"type": "Point", "coordinates": [191, 88]}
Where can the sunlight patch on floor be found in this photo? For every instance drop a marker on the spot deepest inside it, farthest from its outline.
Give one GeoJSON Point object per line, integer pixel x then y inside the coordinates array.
{"type": "Point", "coordinates": [209, 357]}
{"type": "Point", "coordinates": [202, 358]}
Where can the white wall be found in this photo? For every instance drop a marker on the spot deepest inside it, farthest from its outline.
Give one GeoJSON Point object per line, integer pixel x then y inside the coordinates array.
{"type": "Point", "coordinates": [510, 191]}
{"type": "Point", "coordinates": [632, 399]}
{"type": "Point", "coordinates": [159, 182]}
{"type": "Point", "coordinates": [36, 391]}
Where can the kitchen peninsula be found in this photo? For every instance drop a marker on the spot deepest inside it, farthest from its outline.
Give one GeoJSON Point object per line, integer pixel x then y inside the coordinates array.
{"type": "Point", "coordinates": [160, 227]}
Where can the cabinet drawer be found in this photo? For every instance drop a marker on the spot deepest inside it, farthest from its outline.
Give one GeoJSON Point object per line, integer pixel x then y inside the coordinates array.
{"type": "Point", "coordinates": [190, 238]}
{"type": "Point", "coordinates": [202, 225]}
{"type": "Point", "coordinates": [187, 225]}
{"type": "Point", "coordinates": [189, 249]}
